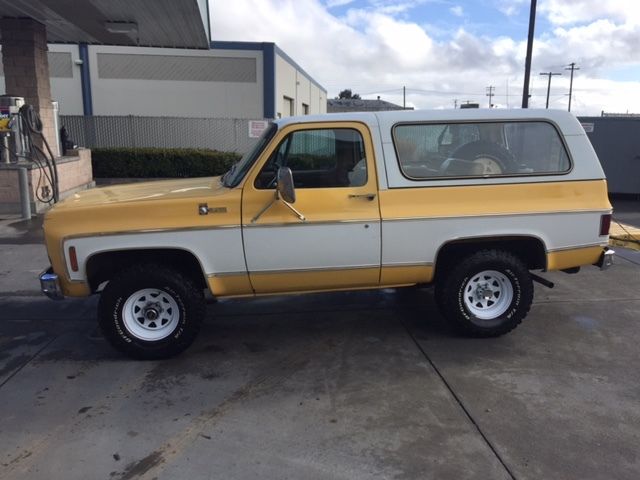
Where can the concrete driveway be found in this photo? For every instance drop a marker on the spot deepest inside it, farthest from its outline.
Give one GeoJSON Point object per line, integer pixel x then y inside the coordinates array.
{"type": "Point", "coordinates": [346, 385]}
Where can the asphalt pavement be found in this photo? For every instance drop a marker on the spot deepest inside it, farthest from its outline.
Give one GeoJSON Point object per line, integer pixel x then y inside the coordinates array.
{"type": "Point", "coordinates": [354, 385]}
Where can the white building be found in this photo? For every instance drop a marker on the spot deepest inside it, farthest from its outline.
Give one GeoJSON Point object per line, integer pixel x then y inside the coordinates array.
{"type": "Point", "coordinates": [243, 80]}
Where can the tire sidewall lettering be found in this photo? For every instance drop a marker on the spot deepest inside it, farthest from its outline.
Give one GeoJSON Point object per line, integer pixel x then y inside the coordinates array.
{"type": "Point", "coordinates": [117, 320]}
{"type": "Point", "coordinates": [124, 333]}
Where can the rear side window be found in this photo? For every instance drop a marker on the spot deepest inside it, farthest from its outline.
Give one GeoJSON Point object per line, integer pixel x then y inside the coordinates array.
{"type": "Point", "coordinates": [485, 149]}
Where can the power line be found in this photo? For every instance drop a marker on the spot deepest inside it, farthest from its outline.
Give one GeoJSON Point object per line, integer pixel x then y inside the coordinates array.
{"type": "Point", "coordinates": [549, 74]}
{"type": "Point", "coordinates": [455, 93]}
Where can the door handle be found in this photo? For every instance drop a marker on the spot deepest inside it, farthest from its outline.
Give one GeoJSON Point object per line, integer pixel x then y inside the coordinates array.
{"type": "Point", "coordinates": [368, 196]}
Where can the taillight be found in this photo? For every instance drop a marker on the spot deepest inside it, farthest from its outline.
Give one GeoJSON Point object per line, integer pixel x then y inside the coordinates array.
{"type": "Point", "coordinates": [605, 224]}
{"type": "Point", "coordinates": [73, 259]}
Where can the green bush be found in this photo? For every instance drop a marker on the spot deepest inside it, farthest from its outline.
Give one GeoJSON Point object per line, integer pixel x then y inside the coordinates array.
{"type": "Point", "coordinates": [159, 162]}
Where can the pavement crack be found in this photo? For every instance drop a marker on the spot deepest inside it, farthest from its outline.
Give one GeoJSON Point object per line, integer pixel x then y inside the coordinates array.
{"type": "Point", "coordinates": [459, 401]}
{"type": "Point", "coordinates": [274, 374]}
{"type": "Point", "coordinates": [586, 300]}
{"type": "Point", "coordinates": [38, 352]}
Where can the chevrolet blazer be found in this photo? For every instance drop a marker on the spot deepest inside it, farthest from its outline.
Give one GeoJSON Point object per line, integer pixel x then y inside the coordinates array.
{"type": "Point", "coordinates": [470, 201]}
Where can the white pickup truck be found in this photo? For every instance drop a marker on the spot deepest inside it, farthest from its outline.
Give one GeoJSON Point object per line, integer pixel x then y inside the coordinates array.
{"type": "Point", "coordinates": [471, 201]}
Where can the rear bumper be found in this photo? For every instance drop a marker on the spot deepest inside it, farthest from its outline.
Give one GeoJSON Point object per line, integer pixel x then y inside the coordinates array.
{"type": "Point", "coordinates": [50, 284]}
{"type": "Point", "coordinates": [606, 259]}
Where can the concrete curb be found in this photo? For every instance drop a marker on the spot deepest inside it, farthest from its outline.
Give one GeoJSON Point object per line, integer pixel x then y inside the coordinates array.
{"type": "Point", "coordinates": [623, 235]}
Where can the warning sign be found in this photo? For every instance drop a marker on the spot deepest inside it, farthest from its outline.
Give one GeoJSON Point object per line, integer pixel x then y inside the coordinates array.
{"type": "Point", "coordinates": [4, 120]}
{"type": "Point", "coordinates": [256, 127]}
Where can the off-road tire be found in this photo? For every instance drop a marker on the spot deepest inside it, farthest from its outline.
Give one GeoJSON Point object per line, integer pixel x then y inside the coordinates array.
{"type": "Point", "coordinates": [177, 287]}
{"type": "Point", "coordinates": [450, 293]}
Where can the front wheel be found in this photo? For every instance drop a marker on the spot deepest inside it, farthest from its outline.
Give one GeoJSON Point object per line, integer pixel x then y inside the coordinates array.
{"type": "Point", "coordinates": [487, 294]}
{"type": "Point", "coordinates": [151, 312]}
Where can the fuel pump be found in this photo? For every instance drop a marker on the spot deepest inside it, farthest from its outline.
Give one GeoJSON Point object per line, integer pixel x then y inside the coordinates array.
{"type": "Point", "coordinates": [13, 138]}
{"type": "Point", "coordinates": [19, 124]}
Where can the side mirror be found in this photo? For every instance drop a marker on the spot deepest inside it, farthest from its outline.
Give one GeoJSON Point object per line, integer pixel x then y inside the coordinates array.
{"type": "Point", "coordinates": [285, 186]}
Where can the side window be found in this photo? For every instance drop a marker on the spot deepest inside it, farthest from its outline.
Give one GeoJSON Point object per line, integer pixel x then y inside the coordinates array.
{"type": "Point", "coordinates": [322, 158]}
{"type": "Point", "coordinates": [479, 149]}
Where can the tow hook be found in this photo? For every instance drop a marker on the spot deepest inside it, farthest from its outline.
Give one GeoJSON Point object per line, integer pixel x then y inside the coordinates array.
{"type": "Point", "coordinates": [542, 281]}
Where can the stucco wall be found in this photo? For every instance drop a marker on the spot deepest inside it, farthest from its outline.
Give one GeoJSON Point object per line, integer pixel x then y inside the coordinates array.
{"type": "Point", "coordinates": [292, 82]}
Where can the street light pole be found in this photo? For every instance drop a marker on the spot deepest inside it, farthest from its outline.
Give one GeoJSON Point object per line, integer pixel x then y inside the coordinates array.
{"type": "Point", "coordinates": [527, 63]}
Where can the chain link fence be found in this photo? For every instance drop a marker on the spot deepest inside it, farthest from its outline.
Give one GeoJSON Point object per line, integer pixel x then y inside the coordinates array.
{"type": "Point", "coordinates": [224, 134]}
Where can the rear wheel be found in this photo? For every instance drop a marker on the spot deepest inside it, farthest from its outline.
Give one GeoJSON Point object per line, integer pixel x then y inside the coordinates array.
{"type": "Point", "coordinates": [487, 294]}
{"type": "Point", "coordinates": [151, 312]}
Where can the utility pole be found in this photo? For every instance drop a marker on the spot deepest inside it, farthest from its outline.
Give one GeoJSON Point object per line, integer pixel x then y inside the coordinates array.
{"type": "Point", "coordinates": [549, 74]}
{"type": "Point", "coordinates": [572, 67]}
{"type": "Point", "coordinates": [527, 63]}
{"type": "Point", "coordinates": [507, 93]}
{"type": "Point", "coordinates": [490, 94]}
{"type": "Point", "coordinates": [404, 98]}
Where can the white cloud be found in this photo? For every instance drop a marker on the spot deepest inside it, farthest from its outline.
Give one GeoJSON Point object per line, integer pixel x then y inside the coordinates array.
{"type": "Point", "coordinates": [457, 10]}
{"type": "Point", "coordinates": [378, 51]}
{"type": "Point", "coordinates": [338, 3]}
{"type": "Point", "coordinates": [511, 7]}
{"type": "Point", "coordinates": [570, 12]}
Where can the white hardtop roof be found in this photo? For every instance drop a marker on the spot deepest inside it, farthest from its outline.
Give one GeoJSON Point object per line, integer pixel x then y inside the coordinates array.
{"type": "Point", "coordinates": [565, 120]}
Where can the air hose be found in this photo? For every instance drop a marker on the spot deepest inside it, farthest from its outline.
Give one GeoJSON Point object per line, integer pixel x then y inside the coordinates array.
{"type": "Point", "coordinates": [32, 126]}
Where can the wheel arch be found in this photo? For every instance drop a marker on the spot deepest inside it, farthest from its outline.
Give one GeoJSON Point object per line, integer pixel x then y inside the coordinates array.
{"type": "Point", "coordinates": [530, 248]}
{"type": "Point", "coordinates": [101, 266]}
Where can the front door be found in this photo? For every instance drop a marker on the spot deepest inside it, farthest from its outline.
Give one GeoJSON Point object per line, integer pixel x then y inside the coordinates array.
{"type": "Point", "coordinates": [337, 245]}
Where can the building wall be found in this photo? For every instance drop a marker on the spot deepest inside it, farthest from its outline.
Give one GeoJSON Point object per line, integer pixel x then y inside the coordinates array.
{"type": "Point", "coordinates": [66, 87]}
{"type": "Point", "coordinates": [294, 84]}
{"type": "Point", "coordinates": [64, 76]}
{"type": "Point", "coordinates": [182, 83]}
{"type": "Point", "coordinates": [617, 143]}
{"type": "Point", "coordinates": [227, 81]}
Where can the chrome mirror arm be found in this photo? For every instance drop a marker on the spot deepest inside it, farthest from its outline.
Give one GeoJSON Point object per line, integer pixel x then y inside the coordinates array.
{"type": "Point", "coordinates": [267, 207]}
{"type": "Point", "coordinates": [300, 216]}
{"type": "Point", "coordinates": [276, 197]}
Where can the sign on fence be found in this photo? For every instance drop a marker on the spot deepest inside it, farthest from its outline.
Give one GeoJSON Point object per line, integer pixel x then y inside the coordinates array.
{"type": "Point", "coordinates": [256, 127]}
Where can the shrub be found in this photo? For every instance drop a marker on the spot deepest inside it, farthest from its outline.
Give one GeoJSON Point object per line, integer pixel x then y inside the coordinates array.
{"type": "Point", "coordinates": [159, 162]}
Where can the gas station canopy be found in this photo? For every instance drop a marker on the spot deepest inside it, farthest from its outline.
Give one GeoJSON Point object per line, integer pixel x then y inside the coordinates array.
{"type": "Point", "coordinates": [151, 23]}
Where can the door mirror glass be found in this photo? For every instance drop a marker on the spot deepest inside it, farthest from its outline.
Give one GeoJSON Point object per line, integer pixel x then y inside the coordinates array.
{"type": "Point", "coordinates": [285, 185]}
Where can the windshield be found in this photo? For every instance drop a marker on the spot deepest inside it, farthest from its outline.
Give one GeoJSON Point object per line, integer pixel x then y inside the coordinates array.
{"type": "Point", "coordinates": [239, 169]}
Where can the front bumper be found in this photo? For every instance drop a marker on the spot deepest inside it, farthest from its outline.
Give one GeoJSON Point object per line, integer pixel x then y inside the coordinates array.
{"type": "Point", "coordinates": [50, 284]}
{"type": "Point", "coordinates": [606, 259]}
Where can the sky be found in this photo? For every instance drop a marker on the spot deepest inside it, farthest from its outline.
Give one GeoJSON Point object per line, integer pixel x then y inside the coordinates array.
{"type": "Point", "coordinates": [448, 51]}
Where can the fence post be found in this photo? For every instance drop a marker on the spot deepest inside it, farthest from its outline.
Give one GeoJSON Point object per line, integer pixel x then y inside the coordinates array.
{"type": "Point", "coordinates": [132, 140]}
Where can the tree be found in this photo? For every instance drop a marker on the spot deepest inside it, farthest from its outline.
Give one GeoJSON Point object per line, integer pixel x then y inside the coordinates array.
{"type": "Point", "coordinates": [347, 94]}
